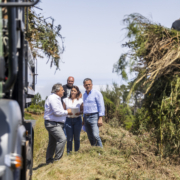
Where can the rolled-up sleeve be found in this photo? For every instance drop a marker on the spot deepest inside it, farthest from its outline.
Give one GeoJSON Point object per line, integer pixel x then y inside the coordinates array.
{"type": "Point", "coordinates": [100, 104]}
{"type": "Point", "coordinates": [57, 107]}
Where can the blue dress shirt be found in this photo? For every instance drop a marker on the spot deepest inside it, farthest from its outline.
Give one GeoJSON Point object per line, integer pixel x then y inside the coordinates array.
{"type": "Point", "coordinates": [93, 102]}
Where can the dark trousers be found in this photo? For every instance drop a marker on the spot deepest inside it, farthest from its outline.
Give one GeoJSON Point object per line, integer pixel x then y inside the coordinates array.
{"type": "Point", "coordinates": [73, 129]}
{"type": "Point", "coordinates": [57, 140]}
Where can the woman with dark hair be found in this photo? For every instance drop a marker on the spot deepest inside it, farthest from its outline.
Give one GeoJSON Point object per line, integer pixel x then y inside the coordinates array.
{"type": "Point", "coordinates": [73, 123]}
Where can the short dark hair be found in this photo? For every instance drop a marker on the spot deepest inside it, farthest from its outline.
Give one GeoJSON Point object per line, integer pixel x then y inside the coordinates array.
{"type": "Point", "coordinates": [87, 79]}
{"type": "Point", "coordinates": [78, 92]}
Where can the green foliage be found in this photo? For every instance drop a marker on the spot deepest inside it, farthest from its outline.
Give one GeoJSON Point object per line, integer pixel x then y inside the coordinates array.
{"type": "Point", "coordinates": [117, 94]}
{"type": "Point", "coordinates": [109, 107]}
{"type": "Point", "coordinates": [124, 116]}
{"type": "Point", "coordinates": [35, 109]}
{"type": "Point", "coordinates": [153, 50]}
{"type": "Point", "coordinates": [167, 113]}
{"type": "Point", "coordinates": [37, 100]}
{"type": "Point", "coordinates": [154, 56]}
{"type": "Point", "coordinates": [44, 36]}
{"type": "Point", "coordinates": [117, 111]}
{"type": "Point", "coordinates": [161, 113]}
{"type": "Point", "coordinates": [120, 67]}
{"type": "Point", "coordinates": [142, 122]}
{"type": "Point", "coordinates": [27, 116]}
{"type": "Point", "coordinates": [37, 106]}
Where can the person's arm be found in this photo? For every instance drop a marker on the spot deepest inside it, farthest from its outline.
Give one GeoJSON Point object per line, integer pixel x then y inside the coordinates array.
{"type": "Point", "coordinates": [64, 106]}
{"type": "Point", "coordinates": [100, 121]}
{"type": "Point", "coordinates": [100, 104]}
{"type": "Point", "coordinates": [81, 108]}
{"type": "Point", "coordinates": [101, 108]}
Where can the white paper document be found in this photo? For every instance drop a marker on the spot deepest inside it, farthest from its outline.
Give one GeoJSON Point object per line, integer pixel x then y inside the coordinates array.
{"type": "Point", "coordinates": [74, 111]}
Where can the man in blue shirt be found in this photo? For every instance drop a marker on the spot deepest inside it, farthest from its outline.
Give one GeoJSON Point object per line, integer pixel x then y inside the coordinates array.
{"type": "Point", "coordinates": [93, 110]}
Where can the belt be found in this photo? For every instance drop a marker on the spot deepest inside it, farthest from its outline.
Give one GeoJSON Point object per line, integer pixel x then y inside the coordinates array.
{"type": "Point", "coordinates": [55, 122]}
{"type": "Point", "coordinates": [89, 114]}
{"type": "Point", "coordinates": [73, 117]}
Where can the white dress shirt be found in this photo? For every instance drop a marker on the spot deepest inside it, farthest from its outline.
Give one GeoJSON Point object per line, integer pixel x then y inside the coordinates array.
{"type": "Point", "coordinates": [76, 104]}
{"type": "Point", "coordinates": [54, 110]}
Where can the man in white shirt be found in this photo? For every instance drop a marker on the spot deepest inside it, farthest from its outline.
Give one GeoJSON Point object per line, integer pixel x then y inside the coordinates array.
{"type": "Point", "coordinates": [55, 116]}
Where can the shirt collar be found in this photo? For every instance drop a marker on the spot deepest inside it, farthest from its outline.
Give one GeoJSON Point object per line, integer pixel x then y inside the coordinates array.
{"type": "Point", "coordinates": [56, 95]}
{"type": "Point", "coordinates": [89, 92]}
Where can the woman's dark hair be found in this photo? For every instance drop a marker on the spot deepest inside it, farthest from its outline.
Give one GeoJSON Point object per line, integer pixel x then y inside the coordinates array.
{"type": "Point", "coordinates": [78, 92]}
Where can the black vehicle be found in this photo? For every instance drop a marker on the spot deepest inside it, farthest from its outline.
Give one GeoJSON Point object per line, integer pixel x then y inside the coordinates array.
{"type": "Point", "coordinates": [17, 87]}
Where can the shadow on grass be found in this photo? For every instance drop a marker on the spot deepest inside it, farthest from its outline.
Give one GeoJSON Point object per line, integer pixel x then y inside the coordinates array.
{"type": "Point", "coordinates": [39, 166]}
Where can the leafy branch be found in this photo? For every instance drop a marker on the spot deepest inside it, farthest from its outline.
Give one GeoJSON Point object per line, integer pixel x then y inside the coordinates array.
{"type": "Point", "coordinates": [43, 36]}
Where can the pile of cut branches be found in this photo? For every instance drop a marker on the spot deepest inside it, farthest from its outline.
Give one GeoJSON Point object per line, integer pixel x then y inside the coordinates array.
{"type": "Point", "coordinates": [154, 54]}
{"type": "Point", "coordinates": [154, 50]}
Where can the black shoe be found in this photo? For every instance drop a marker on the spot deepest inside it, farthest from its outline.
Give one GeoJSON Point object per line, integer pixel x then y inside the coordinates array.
{"type": "Point", "coordinates": [50, 162]}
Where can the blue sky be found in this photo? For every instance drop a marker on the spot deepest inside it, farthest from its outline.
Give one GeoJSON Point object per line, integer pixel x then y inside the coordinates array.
{"type": "Point", "coordinates": [93, 37]}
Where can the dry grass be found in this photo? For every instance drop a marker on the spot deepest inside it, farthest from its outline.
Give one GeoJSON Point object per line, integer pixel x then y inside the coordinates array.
{"type": "Point", "coordinates": [124, 156]}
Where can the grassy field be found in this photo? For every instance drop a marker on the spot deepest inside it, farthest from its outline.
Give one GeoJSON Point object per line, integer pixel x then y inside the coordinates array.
{"type": "Point", "coordinates": [124, 156]}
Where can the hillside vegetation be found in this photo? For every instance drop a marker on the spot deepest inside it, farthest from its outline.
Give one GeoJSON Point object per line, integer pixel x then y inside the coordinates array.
{"type": "Point", "coordinates": [153, 55]}
{"type": "Point", "coordinates": [124, 156]}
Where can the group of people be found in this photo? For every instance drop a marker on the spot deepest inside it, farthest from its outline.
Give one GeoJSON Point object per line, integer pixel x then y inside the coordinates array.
{"type": "Point", "coordinates": [64, 126]}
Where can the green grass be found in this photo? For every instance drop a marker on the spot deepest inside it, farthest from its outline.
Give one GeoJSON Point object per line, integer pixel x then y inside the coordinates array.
{"type": "Point", "coordinates": [27, 116]}
{"type": "Point", "coordinates": [124, 156]}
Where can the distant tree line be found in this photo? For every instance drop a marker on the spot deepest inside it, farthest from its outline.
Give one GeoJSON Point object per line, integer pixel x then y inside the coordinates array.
{"type": "Point", "coordinates": [37, 105]}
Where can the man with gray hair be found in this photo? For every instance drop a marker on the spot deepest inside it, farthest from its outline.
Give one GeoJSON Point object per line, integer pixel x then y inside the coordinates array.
{"type": "Point", "coordinates": [93, 111]}
{"type": "Point", "coordinates": [55, 116]}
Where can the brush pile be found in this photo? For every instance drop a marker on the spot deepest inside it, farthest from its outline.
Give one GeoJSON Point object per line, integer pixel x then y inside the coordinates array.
{"type": "Point", "coordinates": [154, 54]}
{"type": "Point", "coordinates": [154, 49]}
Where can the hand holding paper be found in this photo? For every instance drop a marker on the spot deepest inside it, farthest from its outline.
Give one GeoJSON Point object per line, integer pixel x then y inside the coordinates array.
{"type": "Point", "coordinates": [69, 111]}
{"type": "Point", "coordinates": [77, 114]}
{"type": "Point", "coordinates": [74, 111]}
